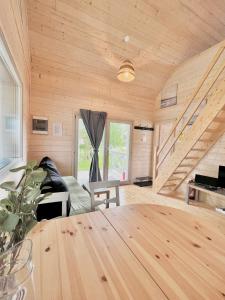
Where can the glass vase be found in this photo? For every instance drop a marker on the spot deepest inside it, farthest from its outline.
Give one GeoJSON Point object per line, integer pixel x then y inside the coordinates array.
{"type": "Point", "coordinates": [16, 269]}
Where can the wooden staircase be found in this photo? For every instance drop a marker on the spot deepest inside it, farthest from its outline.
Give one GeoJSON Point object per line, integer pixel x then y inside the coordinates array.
{"type": "Point", "coordinates": [196, 130]}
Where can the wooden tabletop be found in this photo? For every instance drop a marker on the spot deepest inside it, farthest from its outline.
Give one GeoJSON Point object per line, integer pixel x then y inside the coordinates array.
{"type": "Point", "coordinates": [131, 252]}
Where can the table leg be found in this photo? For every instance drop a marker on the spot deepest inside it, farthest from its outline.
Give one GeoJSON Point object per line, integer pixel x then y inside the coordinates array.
{"type": "Point", "coordinates": [197, 195]}
{"type": "Point", "coordinates": [92, 201]}
{"type": "Point", "coordinates": [107, 197]}
{"type": "Point", "coordinates": [187, 194]}
{"type": "Point", "coordinates": [64, 209]}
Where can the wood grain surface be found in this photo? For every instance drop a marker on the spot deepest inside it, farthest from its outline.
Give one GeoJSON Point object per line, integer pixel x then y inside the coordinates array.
{"type": "Point", "coordinates": [83, 257]}
{"type": "Point", "coordinates": [132, 252]}
{"type": "Point", "coordinates": [184, 253]}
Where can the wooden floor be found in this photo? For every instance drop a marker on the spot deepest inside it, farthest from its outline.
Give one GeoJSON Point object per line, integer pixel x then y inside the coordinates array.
{"type": "Point", "coordinates": [132, 194]}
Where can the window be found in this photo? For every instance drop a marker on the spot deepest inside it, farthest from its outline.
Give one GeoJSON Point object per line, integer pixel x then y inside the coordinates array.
{"type": "Point", "coordinates": [114, 152]}
{"type": "Point", "coordinates": [10, 111]}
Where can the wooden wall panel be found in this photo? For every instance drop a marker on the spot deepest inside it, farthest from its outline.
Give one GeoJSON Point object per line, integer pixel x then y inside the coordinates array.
{"type": "Point", "coordinates": [141, 153]}
{"type": "Point", "coordinates": [14, 27]}
{"type": "Point", "coordinates": [77, 47]}
{"type": "Point", "coordinates": [58, 104]}
{"type": "Point", "coordinates": [186, 76]}
{"type": "Point", "coordinates": [67, 74]}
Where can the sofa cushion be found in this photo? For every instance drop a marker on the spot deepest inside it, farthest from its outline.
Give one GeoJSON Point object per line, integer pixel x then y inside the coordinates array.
{"type": "Point", "coordinates": [80, 199]}
{"type": "Point", "coordinates": [47, 164]}
{"type": "Point", "coordinates": [53, 182]}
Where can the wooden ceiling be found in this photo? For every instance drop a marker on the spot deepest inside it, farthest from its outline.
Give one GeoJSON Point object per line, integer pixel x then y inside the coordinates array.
{"type": "Point", "coordinates": [85, 37]}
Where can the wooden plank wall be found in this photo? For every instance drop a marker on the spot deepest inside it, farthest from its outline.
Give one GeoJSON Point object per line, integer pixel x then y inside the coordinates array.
{"type": "Point", "coordinates": [65, 79]}
{"type": "Point", "coordinates": [61, 105]}
{"type": "Point", "coordinates": [77, 47]}
{"type": "Point", "coordinates": [14, 27]}
{"type": "Point", "coordinates": [141, 153]}
{"type": "Point", "coordinates": [187, 76]}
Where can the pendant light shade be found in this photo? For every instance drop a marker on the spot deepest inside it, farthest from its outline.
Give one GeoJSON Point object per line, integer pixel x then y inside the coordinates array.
{"type": "Point", "coordinates": [126, 72]}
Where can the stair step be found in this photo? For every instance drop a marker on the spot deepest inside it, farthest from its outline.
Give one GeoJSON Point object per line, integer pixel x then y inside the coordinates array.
{"type": "Point", "coordinates": [210, 130]}
{"type": "Point", "coordinates": [179, 172]}
{"type": "Point", "coordinates": [199, 150]}
{"type": "Point", "coordinates": [169, 185]}
{"type": "Point", "coordinates": [205, 140]}
{"type": "Point", "coordinates": [174, 178]}
{"type": "Point", "coordinates": [218, 120]}
{"type": "Point", "coordinates": [185, 166]}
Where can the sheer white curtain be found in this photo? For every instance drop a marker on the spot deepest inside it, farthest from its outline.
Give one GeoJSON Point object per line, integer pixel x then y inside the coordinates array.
{"type": "Point", "coordinates": [10, 111]}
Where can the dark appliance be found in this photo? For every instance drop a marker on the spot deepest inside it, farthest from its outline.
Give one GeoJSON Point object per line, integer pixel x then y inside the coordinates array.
{"type": "Point", "coordinates": [143, 181]}
{"type": "Point", "coordinates": [206, 180]}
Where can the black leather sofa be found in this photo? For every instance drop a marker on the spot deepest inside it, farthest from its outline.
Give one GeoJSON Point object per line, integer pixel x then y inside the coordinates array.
{"type": "Point", "coordinates": [53, 183]}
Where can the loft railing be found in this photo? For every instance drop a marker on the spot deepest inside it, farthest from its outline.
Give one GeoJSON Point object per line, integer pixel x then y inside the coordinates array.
{"type": "Point", "coordinates": [189, 115]}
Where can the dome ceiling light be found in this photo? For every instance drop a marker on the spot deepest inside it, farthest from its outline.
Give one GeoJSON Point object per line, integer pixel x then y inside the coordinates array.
{"type": "Point", "coordinates": [126, 72]}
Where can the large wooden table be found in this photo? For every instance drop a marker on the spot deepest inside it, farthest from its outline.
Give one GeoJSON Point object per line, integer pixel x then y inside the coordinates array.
{"type": "Point", "coordinates": [130, 252]}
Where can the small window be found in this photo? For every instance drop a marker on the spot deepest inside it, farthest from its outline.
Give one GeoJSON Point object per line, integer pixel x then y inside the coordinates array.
{"type": "Point", "coordinates": [10, 111]}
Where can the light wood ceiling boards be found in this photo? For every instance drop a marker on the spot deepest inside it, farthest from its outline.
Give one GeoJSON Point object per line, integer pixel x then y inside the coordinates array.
{"type": "Point", "coordinates": [83, 39]}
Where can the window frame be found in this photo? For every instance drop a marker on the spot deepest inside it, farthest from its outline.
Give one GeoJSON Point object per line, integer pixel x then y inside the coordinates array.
{"type": "Point", "coordinates": [7, 58]}
{"type": "Point", "coordinates": [106, 137]}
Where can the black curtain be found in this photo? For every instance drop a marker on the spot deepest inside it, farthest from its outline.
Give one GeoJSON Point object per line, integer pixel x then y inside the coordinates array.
{"type": "Point", "coordinates": [94, 122]}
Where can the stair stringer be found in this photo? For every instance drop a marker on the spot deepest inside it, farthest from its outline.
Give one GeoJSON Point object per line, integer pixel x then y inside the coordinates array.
{"type": "Point", "coordinates": [216, 102]}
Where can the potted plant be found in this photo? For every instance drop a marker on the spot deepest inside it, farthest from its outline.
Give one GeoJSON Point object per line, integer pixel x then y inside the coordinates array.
{"type": "Point", "coordinates": [17, 217]}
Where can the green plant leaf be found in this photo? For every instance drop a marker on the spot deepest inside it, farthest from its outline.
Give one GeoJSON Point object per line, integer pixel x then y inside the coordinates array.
{"type": "Point", "coordinates": [9, 224]}
{"type": "Point", "coordinates": [8, 186]}
{"type": "Point", "coordinates": [12, 196]}
{"type": "Point", "coordinates": [18, 169]}
{"type": "Point", "coordinates": [31, 164]}
{"type": "Point", "coordinates": [3, 216]}
{"type": "Point", "coordinates": [33, 194]}
{"type": "Point", "coordinates": [17, 210]}
{"type": "Point", "coordinates": [36, 177]}
{"type": "Point", "coordinates": [27, 208]}
{"type": "Point", "coordinates": [6, 204]}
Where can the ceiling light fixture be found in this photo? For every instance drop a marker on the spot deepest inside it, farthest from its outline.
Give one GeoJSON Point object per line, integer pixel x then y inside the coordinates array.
{"type": "Point", "coordinates": [126, 72]}
{"type": "Point", "coordinates": [126, 38]}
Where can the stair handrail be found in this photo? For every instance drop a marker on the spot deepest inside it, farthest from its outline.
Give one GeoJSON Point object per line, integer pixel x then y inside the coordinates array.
{"type": "Point", "coordinates": [201, 82]}
{"type": "Point", "coordinates": [218, 54]}
{"type": "Point", "coordinates": [182, 180]}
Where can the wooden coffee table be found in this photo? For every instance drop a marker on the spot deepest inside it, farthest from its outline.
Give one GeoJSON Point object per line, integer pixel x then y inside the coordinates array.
{"type": "Point", "coordinates": [130, 252]}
